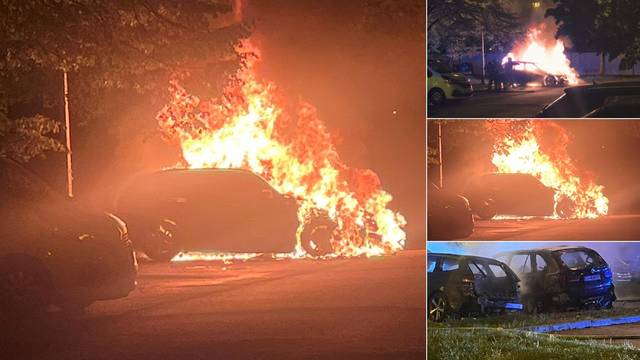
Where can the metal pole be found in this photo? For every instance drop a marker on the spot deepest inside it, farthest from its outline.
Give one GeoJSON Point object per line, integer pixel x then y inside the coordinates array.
{"type": "Point", "coordinates": [68, 135]}
{"type": "Point", "coordinates": [483, 59]}
{"type": "Point", "coordinates": [440, 151]}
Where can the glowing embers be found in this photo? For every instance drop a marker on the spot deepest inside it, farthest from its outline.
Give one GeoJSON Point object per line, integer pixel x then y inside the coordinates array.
{"type": "Point", "coordinates": [517, 149]}
{"type": "Point", "coordinates": [547, 53]}
{"type": "Point", "coordinates": [252, 127]}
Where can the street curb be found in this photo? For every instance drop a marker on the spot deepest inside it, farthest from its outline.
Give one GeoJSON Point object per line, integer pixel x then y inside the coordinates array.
{"type": "Point", "coordinates": [583, 324]}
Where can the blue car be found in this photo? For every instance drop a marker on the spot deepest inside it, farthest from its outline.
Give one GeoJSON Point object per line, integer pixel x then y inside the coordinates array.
{"type": "Point", "coordinates": [562, 277]}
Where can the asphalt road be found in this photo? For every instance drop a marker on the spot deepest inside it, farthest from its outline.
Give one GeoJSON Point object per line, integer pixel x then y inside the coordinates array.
{"type": "Point", "coordinates": [611, 227]}
{"type": "Point", "coordinates": [290, 309]}
{"type": "Point", "coordinates": [525, 103]}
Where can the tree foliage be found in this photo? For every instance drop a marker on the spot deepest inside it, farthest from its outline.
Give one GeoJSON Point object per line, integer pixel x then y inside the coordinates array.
{"type": "Point", "coordinates": [609, 27]}
{"type": "Point", "coordinates": [455, 26]}
{"type": "Point", "coordinates": [133, 46]}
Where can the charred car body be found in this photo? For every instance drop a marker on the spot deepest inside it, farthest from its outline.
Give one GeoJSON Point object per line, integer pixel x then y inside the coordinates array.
{"type": "Point", "coordinates": [460, 284]}
{"type": "Point", "coordinates": [562, 277]}
{"type": "Point", "coordinates": [225, 210]}
{"type": "Point", "coordinates": [449, 215]}
{"type": "Point", "coordinates": [510, 194]}
{"type": "Point", "coordinates": [531, 73]}
{"type": "Point", "coordinates": [54, 251]}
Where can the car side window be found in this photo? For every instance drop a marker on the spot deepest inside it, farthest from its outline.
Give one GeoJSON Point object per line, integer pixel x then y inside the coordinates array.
{"type": "Point", "coordinates": [450, 265]}
{"type": "Point", "coordinates": [521, 263]}
{"type": "Point", "coordinates": [541, 264]}
{"type": "Point", "coordinates": [476, 269]}
{"type": "Point", "coordinates": [431, 264]}
{"type": "Point", "coordinates": [498, 271]}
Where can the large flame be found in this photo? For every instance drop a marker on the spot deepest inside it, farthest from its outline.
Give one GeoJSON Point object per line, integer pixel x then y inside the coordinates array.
{"type": "Point", "coordinates": [541, 48]}
{"type": "Point", "coordinates": [517, 149]}
{"type": "Point", "coordinates": [249, 128]}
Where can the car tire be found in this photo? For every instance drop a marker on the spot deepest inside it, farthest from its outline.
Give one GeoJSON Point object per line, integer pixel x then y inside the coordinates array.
{"type": "Point", "coordinates": [437, 97]}
{"type": "Point", "coordinates": [316, 236]}
{"type": "Point", "coordinates": [565, 208]}
{"type": "Point", "coordinates": [161, 244]}
{"type": "Point", "coordinates": [486, 210]}
{"type": "Point", "coordinates": [438, 307]}
{"type": "Point", "coordinates": [26, 288]}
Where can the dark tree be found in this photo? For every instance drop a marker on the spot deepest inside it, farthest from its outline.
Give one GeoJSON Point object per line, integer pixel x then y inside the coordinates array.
{"type": "Point", "coordinates": [130, 46]}
{"type": "Point", "coordinates": [608, 27]}
{"type": "Point", "coordinates": [455, 26]}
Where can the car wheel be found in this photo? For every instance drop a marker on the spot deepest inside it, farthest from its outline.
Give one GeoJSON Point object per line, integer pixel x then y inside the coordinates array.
{"type": "Point", "coordinates": [550, 80]}
{"type": "Point", "coordinates": [565, 208]}
{"type": "Point", "coordinates": [316, 236]}
{"type": "Point", "coordinates": [487, 209]}
{"type": "Point", "coordinates": [25, 287]}
{"type": "Point", "coordinates": [438, 307]}
{"type": "Point", "coordinates": [162, 245]}
{"type": "Point", "coordinates": [437, 97]}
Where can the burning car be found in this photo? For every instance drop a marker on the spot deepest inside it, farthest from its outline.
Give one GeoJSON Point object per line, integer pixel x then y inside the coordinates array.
{"type": "Point", "coordinates": [54, 251]}
{"type": "Point", "coordinates": [449, 215]}
{"type": "Point", "coordinates": [580, 101]}
{"type": "Point", "coordinates": [443, 84]}
{"type": "Point", "coordinates": [526, 72]}
{"type": "Point", "coordinates": [460, 284]}
{"type": "Point", "coordinates": [225, 210]}
{"type": "Point", "coordinates": [513, 194]}
{"type": "Point", "coordinates": [562, 277]}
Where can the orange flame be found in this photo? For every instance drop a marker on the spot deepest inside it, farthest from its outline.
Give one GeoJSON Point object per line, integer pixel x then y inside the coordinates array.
{"type": "Point", "coordinates": [249, 128]}
{"type": "Point", "coordinates": [517, 149]}
{"type": "Point", "coordinates": [547, 53]}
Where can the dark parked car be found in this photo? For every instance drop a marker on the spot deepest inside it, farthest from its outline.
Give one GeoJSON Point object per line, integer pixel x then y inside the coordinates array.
{"type": "Point", "coordinates": [579, 101]}
{"type": "Point", "coordinates": [449, 215]}
{"type": "Point", "coordinates": [617, 107]}
{"type": "Point", "coordinates": [562, 277]}
{"type": "Point", "coordinates": [226, 210]}
{"type": "Point", "coordinates": [460, 284]}
{"type": "Point", "coordinates": [510, 194]}
{"type": "Point", "coordinates": [54, 251]}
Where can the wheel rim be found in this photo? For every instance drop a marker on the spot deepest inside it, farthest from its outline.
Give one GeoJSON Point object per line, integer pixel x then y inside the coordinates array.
{"type": "Point", "coordinates": [436, 308]}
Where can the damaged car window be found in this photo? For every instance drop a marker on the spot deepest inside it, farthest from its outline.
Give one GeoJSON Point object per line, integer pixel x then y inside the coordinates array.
{"type": "Point", "coordinates": [450, 265]}
{"type": "Point", "coordinates": [580, 259]}
{"type": "Point", "coordinates": [476, 269]}
{"type": "Point", "coordinates": [521, 263]}
{"type": "Point", "coordinates": [541, 264]}
{"type": "Point", "coordinates": [431, 264]}
{"type": "Point", "coordinates": [497, 271]}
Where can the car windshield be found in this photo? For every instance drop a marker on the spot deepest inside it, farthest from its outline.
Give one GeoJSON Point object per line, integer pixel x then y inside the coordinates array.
{"type": "Point", "coordinates": [579, 259]}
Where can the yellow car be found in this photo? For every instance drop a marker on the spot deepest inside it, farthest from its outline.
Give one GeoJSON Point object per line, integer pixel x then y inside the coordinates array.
{"type": "Point", "coordinates": [443, 86]}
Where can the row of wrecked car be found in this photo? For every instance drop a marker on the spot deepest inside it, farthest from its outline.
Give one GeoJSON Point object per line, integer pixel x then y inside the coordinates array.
{"type": "Point", "coordinates": [57, 251]}
{"type": "Point", "coordinates": [537, 280]}
{"type": "Point", "coordinates": [451, 215]}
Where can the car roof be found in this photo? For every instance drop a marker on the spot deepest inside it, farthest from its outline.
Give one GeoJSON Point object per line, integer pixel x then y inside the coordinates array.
{"type": "Point", "coordinates": [463, 257]}
{"type": "Point", "coordinates": [547, 249]}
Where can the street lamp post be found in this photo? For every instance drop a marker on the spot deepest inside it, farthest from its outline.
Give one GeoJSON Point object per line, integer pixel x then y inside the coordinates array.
{"type": "Point", "coordinates": [440, 183]}
{"type": "Point", "coordinates": [483, 59]}
{"type": "Point", "coordinates": [67, 134]}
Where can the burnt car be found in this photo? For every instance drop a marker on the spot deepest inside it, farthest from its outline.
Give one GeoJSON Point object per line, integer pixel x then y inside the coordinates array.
{"type": "Point", "coordinates": [510, 194]}
{"type": "Point", "coordinates": [225, 210]}
{"type": "Point", "coordinates": [562, 277]}
{"type": "Point", "coordinates": [625, 265]}
{"type": "Point", "coordinates": [580, 101]}
{"type": "Point", "coordinates": [527, 72]}
{"type": "Point", "coordinates": [54, 251]}
{"type": "Point", "coordinates": [461, 284]}
{"type": "Point", "coordinates": [449, 215]}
